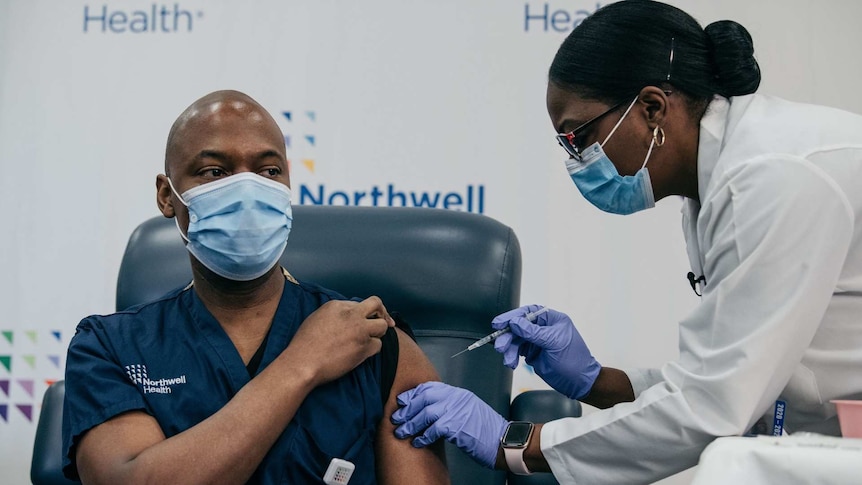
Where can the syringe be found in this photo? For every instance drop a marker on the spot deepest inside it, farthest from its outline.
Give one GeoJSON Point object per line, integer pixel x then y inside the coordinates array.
{"type": "Point", "coordinates": [490, 337]}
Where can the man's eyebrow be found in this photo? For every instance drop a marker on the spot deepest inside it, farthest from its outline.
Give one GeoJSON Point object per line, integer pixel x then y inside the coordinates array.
{"type": "Point", "coordinates": [222, 157]}
{"type": "Point", "coordinates": [270, 153]}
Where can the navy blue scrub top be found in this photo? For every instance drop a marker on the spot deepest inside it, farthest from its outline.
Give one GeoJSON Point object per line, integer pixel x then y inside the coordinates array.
{"type": "Point", "coordinates": [171, 359]}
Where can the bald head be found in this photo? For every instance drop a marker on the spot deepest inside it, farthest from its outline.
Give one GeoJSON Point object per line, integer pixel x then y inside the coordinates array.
{"type": "Point", "coordinates": [210, 113]}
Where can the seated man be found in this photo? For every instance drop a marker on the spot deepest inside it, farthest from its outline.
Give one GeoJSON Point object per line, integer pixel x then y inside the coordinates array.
{"type": "Point", "coordinates": [245, 375]}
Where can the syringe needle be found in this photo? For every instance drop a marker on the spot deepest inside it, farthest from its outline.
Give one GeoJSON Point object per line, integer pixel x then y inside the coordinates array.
{"type": "Point", "coordinates": [490, 337]}
{"type": "Point", "coordinates": [459, 353]}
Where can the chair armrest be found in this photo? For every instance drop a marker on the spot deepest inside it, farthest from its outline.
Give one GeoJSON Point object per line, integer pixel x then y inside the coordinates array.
{"type": "Point", "coordinates": [47, 463]}
{"type": "Point", "coordinates": [541, 407]}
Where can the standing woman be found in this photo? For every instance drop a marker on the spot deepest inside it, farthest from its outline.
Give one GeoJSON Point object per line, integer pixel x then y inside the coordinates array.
{"type": "Point", "coordinates": [648, 104]}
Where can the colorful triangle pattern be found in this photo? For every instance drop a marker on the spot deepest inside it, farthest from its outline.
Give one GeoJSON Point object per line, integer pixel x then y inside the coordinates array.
{"type": "Point", "coordinates": [30, 359]}
{"type": "Point", "coordinates": [9, 335]}
{"type": "Point", "coordinates": [4, 412]}
{"type": "Point", "coordinates": [55, 359]}
{"type": "Point", "coordinates": [4, 386]}
{"type": "Point", "coordinates": [27, 385]}
{"type": "Point", "coordinates": [6, 361]}
{"type": "Point", "coordinates": [56, 334]}
{"type": "Point", "coordinates": [32, 335]}
{"type": "Point", "coordinates": [26, 410]}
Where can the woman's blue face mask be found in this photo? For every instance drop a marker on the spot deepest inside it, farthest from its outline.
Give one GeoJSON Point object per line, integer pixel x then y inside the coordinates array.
{"type": "Point", "coordinates": [601, 184]}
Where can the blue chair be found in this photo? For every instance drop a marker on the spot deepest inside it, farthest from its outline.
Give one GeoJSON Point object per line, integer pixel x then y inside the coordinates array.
{"type": "Point", "coordinates": [448, 273]}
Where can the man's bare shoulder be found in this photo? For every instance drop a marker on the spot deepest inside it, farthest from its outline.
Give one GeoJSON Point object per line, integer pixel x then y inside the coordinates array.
{"type": "Point", "coordinates": [397, 460]}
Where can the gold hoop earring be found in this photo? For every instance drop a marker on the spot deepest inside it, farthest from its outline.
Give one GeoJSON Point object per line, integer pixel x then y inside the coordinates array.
{"type": "Point", "coordinates": [658, 136]}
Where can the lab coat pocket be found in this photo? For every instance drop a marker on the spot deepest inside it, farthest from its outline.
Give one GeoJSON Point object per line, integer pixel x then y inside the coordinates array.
{"type": "Point", "coordinates": [804, 394]}
{"type": "Point", "coordinates": [802, 387]}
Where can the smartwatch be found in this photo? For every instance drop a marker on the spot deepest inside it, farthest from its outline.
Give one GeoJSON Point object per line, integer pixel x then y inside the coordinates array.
{"type": "Point", "coordinates": [514, 442]}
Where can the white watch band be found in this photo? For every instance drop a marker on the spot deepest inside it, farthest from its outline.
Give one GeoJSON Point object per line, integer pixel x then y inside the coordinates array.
{"type": "Point", "coordinates": [515, 460]}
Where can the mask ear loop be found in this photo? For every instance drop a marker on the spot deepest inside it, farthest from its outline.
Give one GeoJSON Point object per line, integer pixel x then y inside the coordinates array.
{"type": "Point", "coordinates": [176, 193]}
{"type": "Point", "coordinates": [177, 221]}
{"type": "Point", "coordinates": [620, 121]}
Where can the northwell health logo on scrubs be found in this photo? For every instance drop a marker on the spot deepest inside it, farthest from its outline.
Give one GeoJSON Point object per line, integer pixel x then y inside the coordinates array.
{"type": "Point", "coordinates": [138, 374]}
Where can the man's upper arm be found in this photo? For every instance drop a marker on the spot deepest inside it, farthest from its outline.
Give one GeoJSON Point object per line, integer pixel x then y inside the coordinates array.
{"type": "Point", "coordinates": [104, 450]}
{"type": "Point", "coordinates": [397, 460]}
{"type": "Point", "coordinates": [97, 390]}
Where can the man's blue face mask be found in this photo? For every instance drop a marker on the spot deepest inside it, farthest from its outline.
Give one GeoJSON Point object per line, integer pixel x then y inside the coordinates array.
{"type": "Point", "coordinates": [238, 226]}
{"type": "Point", "coordinates": [601, 184]}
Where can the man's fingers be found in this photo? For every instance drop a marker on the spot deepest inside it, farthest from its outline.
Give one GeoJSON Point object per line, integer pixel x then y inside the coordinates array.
{"type": "Point", "coordinates": [377, 327]}
{"type": "Point", "coordinates": [375, 345]}
{"type": "Point", "coordinates": [376, 318]}
{"type": "Point", "coordinates": [372, 307]}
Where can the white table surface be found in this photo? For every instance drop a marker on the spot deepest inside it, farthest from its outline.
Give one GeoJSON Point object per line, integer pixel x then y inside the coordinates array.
{"type": "Point", "coordinates": [803, 458]}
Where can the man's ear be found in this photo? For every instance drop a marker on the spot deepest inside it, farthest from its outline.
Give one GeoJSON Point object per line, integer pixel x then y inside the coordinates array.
{"type": "Point", "coordinates": [655, 100]}
{"type": "Point", "coordinates": [164, 196]}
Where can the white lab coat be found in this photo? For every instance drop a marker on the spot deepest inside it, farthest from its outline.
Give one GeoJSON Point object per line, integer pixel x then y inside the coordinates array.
{"type": "Point", "coordinates": [778, 237]}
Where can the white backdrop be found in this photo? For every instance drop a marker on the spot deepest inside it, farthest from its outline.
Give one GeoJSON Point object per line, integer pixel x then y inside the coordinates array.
{"type": "Point", "coordinates": [429, 97]}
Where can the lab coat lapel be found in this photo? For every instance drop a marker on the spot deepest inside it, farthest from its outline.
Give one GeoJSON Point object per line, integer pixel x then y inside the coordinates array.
{"type": "Point", "coordinates": [690, 209]}
{"type": "Point", "coordinates": [712, 128]}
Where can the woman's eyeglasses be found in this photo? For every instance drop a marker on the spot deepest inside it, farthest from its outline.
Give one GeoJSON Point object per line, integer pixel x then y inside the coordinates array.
{"type": "Point", "coordinates": [569, 140]}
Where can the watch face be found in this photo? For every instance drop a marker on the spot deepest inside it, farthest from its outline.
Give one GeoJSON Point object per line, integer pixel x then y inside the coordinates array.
{"type": "Point", "coordinates": [517, 434]}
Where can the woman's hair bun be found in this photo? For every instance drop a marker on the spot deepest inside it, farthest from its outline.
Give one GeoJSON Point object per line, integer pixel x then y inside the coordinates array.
{"type": "Point", "coordinates": [736, 70]}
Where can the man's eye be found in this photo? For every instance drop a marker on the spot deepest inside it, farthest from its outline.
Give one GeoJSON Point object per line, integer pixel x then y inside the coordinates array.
{"type": "Point", "coordinates": [212, 173]}
{"type": "Point", "coordinates": [270, 172]}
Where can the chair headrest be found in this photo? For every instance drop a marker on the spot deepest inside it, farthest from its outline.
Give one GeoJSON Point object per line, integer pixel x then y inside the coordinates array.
{"type": "Point", "coordinates": [426, 263]}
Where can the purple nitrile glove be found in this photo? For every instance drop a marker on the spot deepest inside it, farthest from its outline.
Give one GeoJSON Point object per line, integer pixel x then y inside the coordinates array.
{"type": "Point", "coordinates": [552, 345]}
{"type": "Point", "coordinates": [509, 343]}
{"type": "Point", "coordinates": [439, 410]}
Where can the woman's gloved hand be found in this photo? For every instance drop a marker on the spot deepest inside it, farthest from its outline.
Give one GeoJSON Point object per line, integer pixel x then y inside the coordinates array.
{"type": "Point", "coordinates": [552, 345]}
{"type": "Point", "coordinates": [438, 410]}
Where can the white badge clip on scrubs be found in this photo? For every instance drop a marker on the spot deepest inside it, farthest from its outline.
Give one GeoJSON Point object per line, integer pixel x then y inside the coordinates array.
{"type": "Point", "coordinates": [339, 472]}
